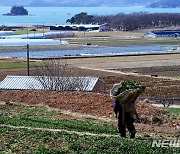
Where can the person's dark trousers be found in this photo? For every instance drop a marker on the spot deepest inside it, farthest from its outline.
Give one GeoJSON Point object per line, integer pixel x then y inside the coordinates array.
{"type": "Point", "coordinates": [126, 121]}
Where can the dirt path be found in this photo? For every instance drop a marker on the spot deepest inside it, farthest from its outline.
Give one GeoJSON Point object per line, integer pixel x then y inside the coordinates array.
{"type": "Point", "coordinates": [58, 130]}
{"type": "Point", "coordinates": [154, 132]}
{"type": "Point", "coordinates": [125, 73]}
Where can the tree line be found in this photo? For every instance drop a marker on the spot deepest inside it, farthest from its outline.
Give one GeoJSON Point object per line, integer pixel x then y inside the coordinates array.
{"type": "Point", "coordinates": [165, 4]}
{"type": "Point", "coordinates": [129, 22]}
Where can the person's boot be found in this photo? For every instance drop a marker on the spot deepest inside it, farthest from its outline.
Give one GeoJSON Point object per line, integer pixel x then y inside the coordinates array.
{"type": "Point", "coordinates": [133, 134]}
{"type": "Point", "coordinates": [123, 135]}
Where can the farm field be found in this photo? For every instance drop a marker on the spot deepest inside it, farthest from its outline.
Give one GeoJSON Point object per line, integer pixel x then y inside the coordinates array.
{"type": "Point", "coordinates": [159, 73]}
{"type": "Point", "coordinates": [41, 129]}
{"type": "Point", "coordinates": [79, 122]}
{"type": "Point", "coordinates": [83, 122]}
{"type": "Point", "coordinates": [114, 41]}
{"type": "Point", "coordinates": [119, 38]}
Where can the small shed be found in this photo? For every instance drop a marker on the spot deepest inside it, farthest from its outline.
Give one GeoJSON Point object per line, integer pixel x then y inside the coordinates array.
{"type": "Point", "coordinates": [91, 84]}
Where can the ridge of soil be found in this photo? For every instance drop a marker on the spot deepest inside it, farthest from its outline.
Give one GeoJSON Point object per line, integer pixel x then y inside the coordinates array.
{"type": "Point", "coordinates": [96, 104]}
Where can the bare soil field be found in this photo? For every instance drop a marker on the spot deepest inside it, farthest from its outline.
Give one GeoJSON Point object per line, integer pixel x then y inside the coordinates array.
{"type": "Point", "coordinates": [159, 63]}
{"type": "Point", "coordinates": [112, 70]}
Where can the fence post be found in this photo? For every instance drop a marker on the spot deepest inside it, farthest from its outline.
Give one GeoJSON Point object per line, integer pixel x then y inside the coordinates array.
{"type": "Point", "coordinates": [28, 59]}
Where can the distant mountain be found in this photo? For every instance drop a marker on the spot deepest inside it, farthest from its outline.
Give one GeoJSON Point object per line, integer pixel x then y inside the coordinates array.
{"type": "Point", "coordinates": [74, 3]}
{"type": "Point", "coordinates": [166, 4]}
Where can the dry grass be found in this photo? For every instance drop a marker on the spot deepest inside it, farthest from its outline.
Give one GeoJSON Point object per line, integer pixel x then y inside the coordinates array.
{"type": "Point", "coordinates": [109, 34]}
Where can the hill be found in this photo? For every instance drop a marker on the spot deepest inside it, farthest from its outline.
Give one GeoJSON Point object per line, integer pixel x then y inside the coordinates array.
{"type": "Point", "coordinates": [166, 4]}
{"type": "Point", "coordinates": [90, 3]}
{"type": "Point", "coordinates": [74, 3]}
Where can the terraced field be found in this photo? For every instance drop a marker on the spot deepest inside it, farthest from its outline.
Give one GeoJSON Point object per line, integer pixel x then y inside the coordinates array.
{"type": "Point", "coordinates": [39, 129]}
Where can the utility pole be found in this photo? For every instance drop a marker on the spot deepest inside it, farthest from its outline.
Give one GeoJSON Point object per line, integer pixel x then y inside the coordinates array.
{"type": "Point", "coordinates": [28, 59]}
{"type": "Point", "coordinates": [27, 32]}
{"type": "Point", "coordinates": [43, 31]}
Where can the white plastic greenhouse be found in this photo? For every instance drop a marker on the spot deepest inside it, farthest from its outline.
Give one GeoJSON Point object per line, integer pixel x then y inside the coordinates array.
{"type": "Point", "coordinates": [48, 35]}
{"type": "Point", "coordinates": [23, 42]}
{"type": "Point", "coordinates": [6, 33]}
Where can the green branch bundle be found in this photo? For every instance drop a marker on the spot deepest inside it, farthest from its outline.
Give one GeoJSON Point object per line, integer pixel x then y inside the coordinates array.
{"type": "Point", "coordinates": [128, 85]}
{"type": "Point", "coordinates": [127, 92]}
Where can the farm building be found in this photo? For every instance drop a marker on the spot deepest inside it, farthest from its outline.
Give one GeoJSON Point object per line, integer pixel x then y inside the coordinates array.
{"type": "Point", "coordinates": [103, 27]}
{"type": "Point", "coordinates": [91, 84]}
{"type": "Point", "coordinates": [163, 33]}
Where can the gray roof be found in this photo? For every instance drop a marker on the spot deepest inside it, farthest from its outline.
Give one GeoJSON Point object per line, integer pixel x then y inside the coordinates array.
{"type": "Point", "coordinates": [35, 83]}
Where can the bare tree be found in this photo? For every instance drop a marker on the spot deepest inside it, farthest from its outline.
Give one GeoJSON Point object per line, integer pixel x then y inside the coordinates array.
{"type": "Point", "coordinates": [58, 75]}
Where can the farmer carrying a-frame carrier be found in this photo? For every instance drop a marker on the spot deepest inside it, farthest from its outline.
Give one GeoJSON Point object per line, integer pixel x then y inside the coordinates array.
{"type": "Point", "coordinates": [125, 95]}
